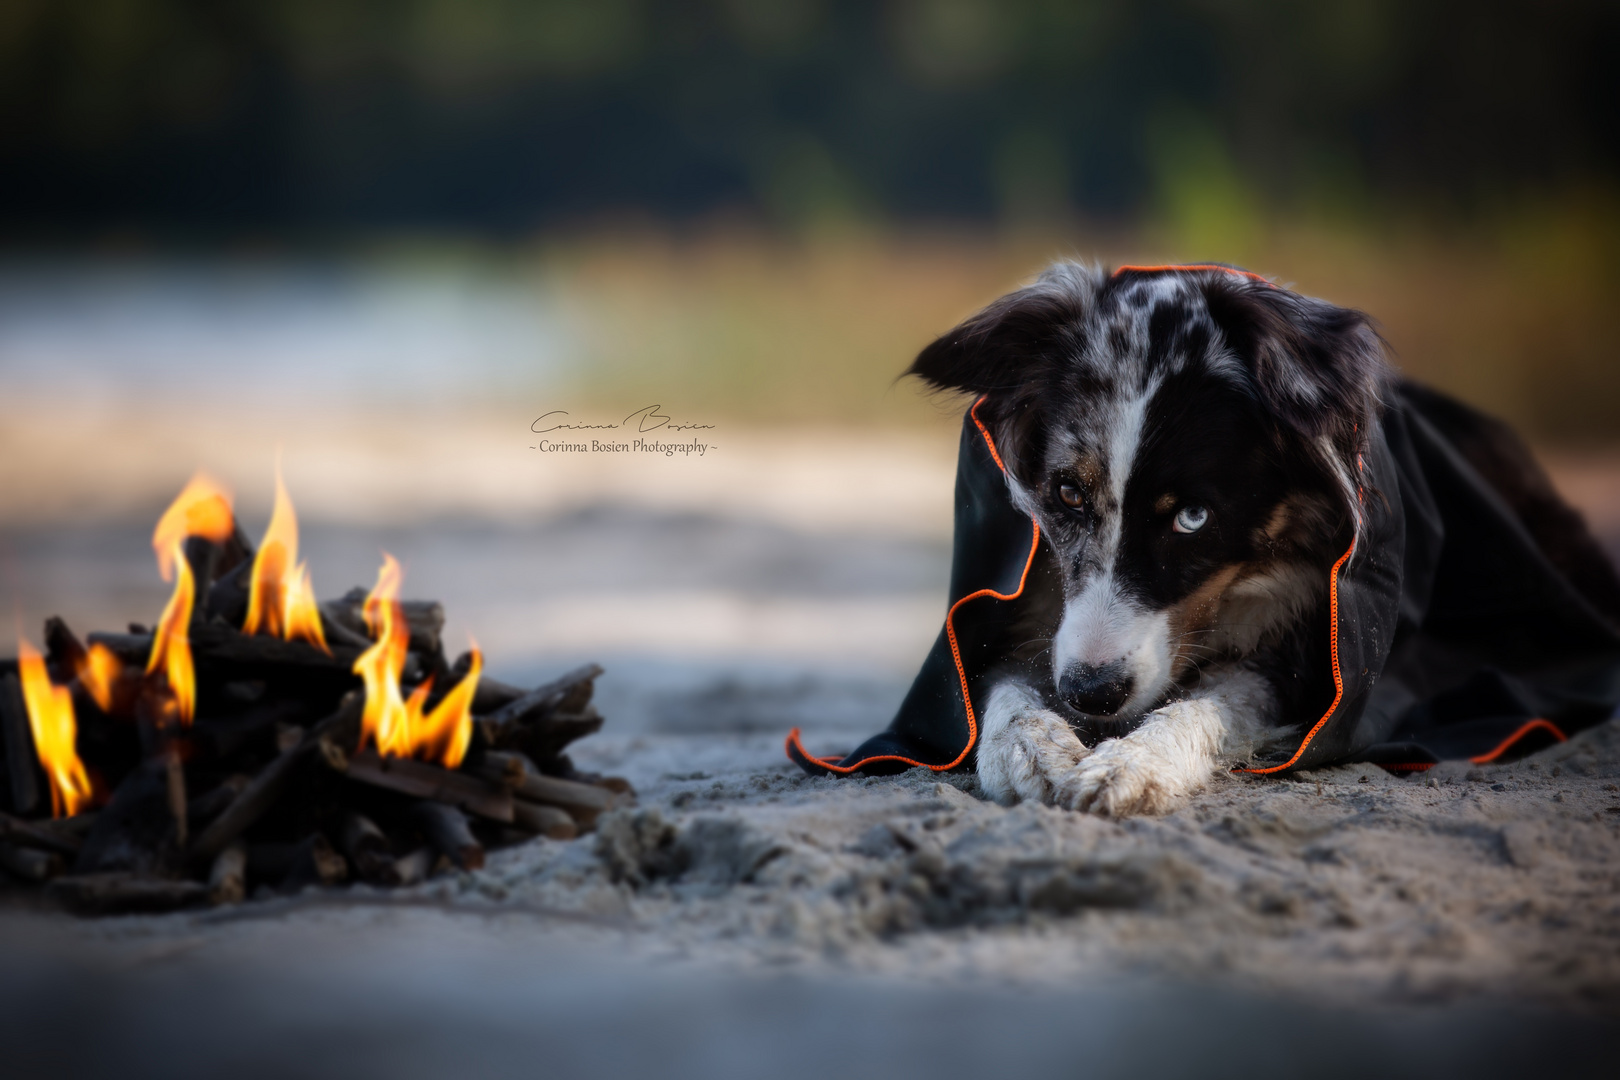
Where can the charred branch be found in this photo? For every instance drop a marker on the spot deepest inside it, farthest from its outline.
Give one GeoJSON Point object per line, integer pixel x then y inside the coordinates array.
{"type": "Point", "coordinates": [425, 618]}
{"type": "Point", "coordinates": [63, 649]}
{"type": "Point", "coordinates": [419, 865]}
{"type": "Point", "coordinates": [450, 834]}
{"type": "Point", "coordinates": [38, 835]}
{"type": "Point", "coordinates": [339, 632]}
{"type": "Point", "coordinates": [135, 832]}
{"type": "Point", "coordinates": [582, 802]}
{"type": "Point", "coordinates": [543, 700]}
{"type": "Point", "coordinates": [466, 792]}
{"type": "Point", "coordinates": [259, 796]}
{"type": "Point", "coordinates": [225, 736]}
{"type": "Point", "coordinates": [227, 647]}
{"type": "Point", "coordinates": [227, 878]}
{"type": "Point", "coordinates": [206, 807]}
{"type": "Point", "coordinates": [368, 849]}
{"type": "Point", "coordinates": [548, 821]}
{"type": "Point", "coordinates": [227, 600]}
{"type": "Point", "coordinates": [30, 864]}
{"type": "Point", "coordinates": [290, 867]}
{"type": "Point", "coordinates": [22, 766]}
{"type": "Point", "coordinates": [97, 894]}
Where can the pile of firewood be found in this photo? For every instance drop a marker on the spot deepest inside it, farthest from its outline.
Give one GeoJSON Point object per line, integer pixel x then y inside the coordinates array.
{"type": "Point", "coordinates": [271, 787]}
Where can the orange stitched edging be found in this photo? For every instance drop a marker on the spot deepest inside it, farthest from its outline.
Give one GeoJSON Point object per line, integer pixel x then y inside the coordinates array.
{"type": "Point", "coordinates": [988, 441]}
{"type": "Point", "coordinates": [956, 653]}
{"type": "Point", "coordinates": [1338, 676]}
{"type": "Point", "coordinates": [1538, 724]}
{"type": "Point", "coordinates": [1194, 266]}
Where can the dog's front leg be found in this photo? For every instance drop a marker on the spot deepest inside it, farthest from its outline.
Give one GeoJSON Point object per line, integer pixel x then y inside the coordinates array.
{"type": "Point", "coordinates": [1174, 750]}
{"type": "Point", "coordinates": [1025, 750]}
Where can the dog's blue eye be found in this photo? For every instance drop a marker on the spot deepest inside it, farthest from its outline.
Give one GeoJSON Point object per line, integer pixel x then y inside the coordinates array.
{"type": "Point", "coordinates": [1190, 519]}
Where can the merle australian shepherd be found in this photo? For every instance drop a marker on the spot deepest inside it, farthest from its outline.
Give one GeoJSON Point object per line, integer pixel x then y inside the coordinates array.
{"type": "Point", "coordinates": [1187, 443]}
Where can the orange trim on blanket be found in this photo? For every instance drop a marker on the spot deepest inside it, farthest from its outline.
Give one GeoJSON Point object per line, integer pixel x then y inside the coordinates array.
{"type": "Point", "coordinates": [1192, 266]}
{"type": "Point", "coordinates": [988, 441]}
{"type": "Point", "coordinates": [1538, 724]}
{"type": "Point", "coordinates": [1338, 675]}
{"type": "Point", "coordinates": [793, 742]}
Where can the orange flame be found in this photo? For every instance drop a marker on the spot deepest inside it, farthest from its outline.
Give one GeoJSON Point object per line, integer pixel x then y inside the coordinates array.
{"type": "Point", "coordinates": [50, 715]}
{"type": "Point", "coordinates": [280, 599]}
{"type": "Point", "coordinates": [396, 725]}
{"type": "Point", "coordinates": [98, 673]}
{"type": "Point", "coordinates": [171, 649]}
{"type": "Point", "coordinates": [445, 733]}
{"type": "Point", "coordinates": [201, 509]}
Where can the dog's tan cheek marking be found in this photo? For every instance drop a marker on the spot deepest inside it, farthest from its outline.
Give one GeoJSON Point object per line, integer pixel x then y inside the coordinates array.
{"type": "Point", "coordinates": [1286, 527]}
{"type": "Point", "coordinates": [1277, 523]}
{"type": "Point", "coordinates": [1197, 613]}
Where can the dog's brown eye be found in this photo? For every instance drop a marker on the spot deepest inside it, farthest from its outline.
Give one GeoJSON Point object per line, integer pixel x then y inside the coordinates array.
{"type": "Point", "coordinates": [1070, 495]}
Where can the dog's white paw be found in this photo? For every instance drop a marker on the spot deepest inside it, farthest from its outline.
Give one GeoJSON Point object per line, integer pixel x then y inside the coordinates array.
{"type": "Point", "coordinates": [1119, 779]}
{"type": "Point", "coordinates": [1025, 752]}
{"type": "Point", "coordinates": [1153, 768]}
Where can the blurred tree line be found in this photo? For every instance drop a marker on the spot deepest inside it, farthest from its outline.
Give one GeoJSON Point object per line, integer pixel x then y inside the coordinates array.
{"type": "Point", "coordinates": [508, 115]}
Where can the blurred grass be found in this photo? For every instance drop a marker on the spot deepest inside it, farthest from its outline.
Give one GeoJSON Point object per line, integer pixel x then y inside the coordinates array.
{"type": "Point", "coordinates": [1512, 312]}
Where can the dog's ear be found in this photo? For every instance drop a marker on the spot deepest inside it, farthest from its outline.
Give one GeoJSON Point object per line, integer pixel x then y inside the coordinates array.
{"type": "Point", "coordinates": [993, 351]}
{"type": "Point", "coordinates": [1318, 368]}
{"type": "Point", "coordinates": [1007, 352]}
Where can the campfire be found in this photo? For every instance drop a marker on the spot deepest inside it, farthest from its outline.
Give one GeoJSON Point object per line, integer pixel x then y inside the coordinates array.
{"type": "Point", "coordinates": [258, 741]}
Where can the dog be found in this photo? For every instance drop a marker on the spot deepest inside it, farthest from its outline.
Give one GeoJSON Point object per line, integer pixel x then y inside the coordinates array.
{"type": "Point", "coordinates": [1190, 443]}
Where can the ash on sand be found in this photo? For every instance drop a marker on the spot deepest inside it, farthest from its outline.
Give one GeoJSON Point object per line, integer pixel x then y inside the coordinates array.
{"type": "Point", "coordinates": [748, 920]}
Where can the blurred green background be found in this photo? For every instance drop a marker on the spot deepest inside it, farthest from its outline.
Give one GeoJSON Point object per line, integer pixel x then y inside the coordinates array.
{"type": "Point", "coordinates": [764, 207]}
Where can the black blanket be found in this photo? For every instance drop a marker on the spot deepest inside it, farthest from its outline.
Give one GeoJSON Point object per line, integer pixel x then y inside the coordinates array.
{"type": "Point", "coordinates": [1475, 618]}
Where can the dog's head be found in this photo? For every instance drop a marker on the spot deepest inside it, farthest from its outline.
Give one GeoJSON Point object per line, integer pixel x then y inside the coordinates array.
{"type": "Point", "coordinates": [1188, 442]}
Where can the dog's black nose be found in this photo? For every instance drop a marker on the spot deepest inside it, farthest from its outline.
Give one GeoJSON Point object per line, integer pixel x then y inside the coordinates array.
{"type": "Point", "coordinates": [1096, 691]}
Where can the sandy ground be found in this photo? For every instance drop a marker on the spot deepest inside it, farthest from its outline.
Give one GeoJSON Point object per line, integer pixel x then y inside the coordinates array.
{"type": "Point", "coordinates": [747, 920]}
